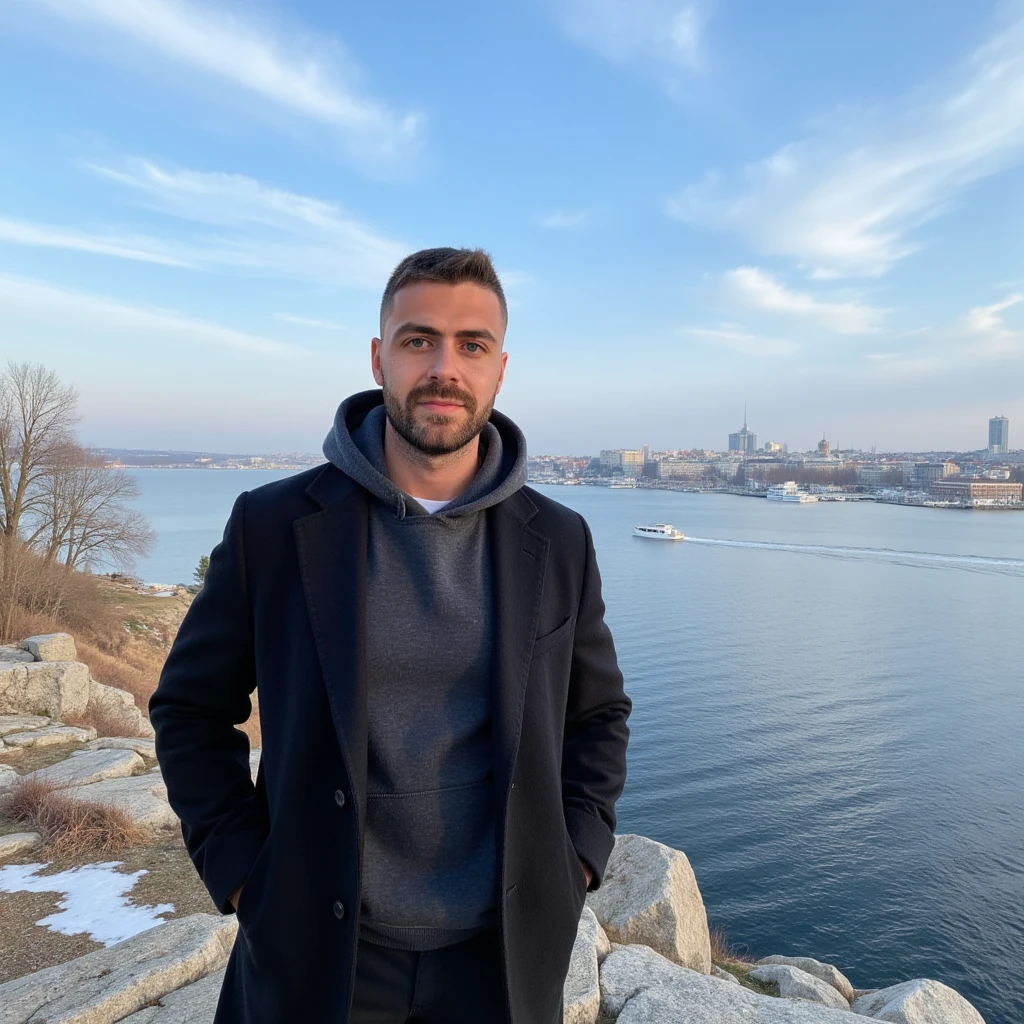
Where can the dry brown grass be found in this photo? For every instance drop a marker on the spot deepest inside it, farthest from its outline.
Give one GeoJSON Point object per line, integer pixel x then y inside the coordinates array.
{"type": "Point", "coordinates": [72, 827]}
{"type": "Point", "coordinates": [722, 952]}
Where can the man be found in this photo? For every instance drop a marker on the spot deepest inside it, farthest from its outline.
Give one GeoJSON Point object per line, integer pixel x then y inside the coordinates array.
{"type": "Point", "coordinates": [444, 723]}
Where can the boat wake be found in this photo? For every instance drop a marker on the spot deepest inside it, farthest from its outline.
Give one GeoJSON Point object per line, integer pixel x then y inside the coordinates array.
{"type": "Point", "coordinates": [920, 559]}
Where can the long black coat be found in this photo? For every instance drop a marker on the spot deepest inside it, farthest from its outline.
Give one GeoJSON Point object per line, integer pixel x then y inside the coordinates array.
{"type": "Point", "coordinates": [282, 609]}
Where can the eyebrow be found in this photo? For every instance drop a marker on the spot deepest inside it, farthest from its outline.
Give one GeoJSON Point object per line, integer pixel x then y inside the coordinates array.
{"type": "Point", "coordinates": [433, 332]}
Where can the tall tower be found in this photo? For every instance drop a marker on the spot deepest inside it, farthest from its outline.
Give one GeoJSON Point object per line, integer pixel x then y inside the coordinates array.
{"type": "Point", "coordinates": [998, 435]}
{"type": "Point", "coordinates": [744, 440]}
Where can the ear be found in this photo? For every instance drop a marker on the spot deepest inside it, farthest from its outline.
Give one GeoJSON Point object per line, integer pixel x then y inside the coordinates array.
{"type": "Point", "coordinates": [376, 345]}
{"type": "Point", "coordinates": [501, 375]}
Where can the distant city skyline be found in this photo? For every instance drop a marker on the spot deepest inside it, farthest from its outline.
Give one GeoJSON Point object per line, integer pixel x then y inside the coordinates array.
{"type": "Point", "coordinates": [783, 203]}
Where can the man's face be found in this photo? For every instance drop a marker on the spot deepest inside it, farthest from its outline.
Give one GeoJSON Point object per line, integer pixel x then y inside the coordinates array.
{"type": "Point", "coordinates": [440, 363]}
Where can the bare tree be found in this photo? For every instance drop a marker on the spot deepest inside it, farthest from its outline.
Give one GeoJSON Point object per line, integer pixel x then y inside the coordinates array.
{"type": "Point", "coordinates": [83, 515]}
{"type": "Point", "coordinates": [37, 419]}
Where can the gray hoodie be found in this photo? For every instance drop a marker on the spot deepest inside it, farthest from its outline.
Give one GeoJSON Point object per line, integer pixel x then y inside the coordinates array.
{"type": "Point", "coordinates": [430, 873]}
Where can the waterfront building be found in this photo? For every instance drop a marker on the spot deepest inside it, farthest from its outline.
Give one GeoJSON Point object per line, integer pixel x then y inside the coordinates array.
{"type": "Point", "coordinates": [998, 435]}
{"type": "Point", "coordinates": [926, 473]}
{"type": "Point", "coordinates": [972, 489]}
{"type": "Point", "coordinates": [629, 461]}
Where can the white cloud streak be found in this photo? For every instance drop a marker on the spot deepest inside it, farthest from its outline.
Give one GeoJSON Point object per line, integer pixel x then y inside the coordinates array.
{"type": "Point", "coordinates": [561, 220]}
{"type": "Point", "coordinates": [628, 31]}
{"type": "Point", "coordinates": [739, 341]}
{"type": "Point", "coordinates": [129, 247]}
{"type": "Point", "coordinates": [303, 75]}
{"type": "Point", "coordinates": [309, 321]}
{"type": "Point", "coordinates": [259, 227]}
{"type": "Point", "coordinates": [756, 289]}
{"type": "Point", "coordinates": [46, 303]}
{"type": "Point", "coordinates": [847, 201]}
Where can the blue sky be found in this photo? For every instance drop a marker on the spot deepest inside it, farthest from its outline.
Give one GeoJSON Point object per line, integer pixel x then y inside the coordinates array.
{"type": "Point", "coordinates": [814, 208]}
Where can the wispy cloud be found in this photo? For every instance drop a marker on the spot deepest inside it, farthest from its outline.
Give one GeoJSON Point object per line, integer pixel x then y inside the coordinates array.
{"type": "Point", "coordinates": [255, 226]}
{"type": "Point", "coordinates": [626, 31]}
{"type": "Point", "coordinates": [48, 303]}
{"type": "Point", "coordinates": [310, 76]}
{"type": "Point", "coordinates": [122, 246]}
{"type": "Point", "coordinates": [757, 289]}
{"type": "Point", "coordinates": [847, 201]}
{"type": "Point", "coordinates": [987, 324]}
{"type": "Point", "coordinates": [561, 219]}
{"type": "Point", "coordinates": [309, 321]}
{"type": "Point", "coordinates": [740, 341]}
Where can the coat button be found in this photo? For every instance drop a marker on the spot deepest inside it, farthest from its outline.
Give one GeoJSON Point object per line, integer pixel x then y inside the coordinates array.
{"type": "Point", "coordinates": [339, 798]}
{"type": "Point", "coordinates": [339, 910]}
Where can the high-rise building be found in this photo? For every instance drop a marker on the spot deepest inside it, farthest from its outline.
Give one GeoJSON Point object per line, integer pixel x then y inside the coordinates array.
{"type": "Point", "coordinates": [999, 435]}
{"type": "Point", "coordinates": [744, 440]}
{"type": "Point", "coordinates": [772, 446]}
{"type": "Point", "coordinates": [824, 447]}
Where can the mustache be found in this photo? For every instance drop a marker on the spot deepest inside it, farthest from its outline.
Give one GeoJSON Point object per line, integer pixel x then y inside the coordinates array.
{"type": "Point", "coordinates": [441, 393]}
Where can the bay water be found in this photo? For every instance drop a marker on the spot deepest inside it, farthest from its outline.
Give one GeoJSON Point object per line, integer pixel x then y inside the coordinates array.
{"type": "Point", "coordinates": [828, 715]}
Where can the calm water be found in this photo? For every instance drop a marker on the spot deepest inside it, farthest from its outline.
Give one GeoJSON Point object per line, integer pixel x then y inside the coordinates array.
{"type": "Point", "coordinates": [829, 709]}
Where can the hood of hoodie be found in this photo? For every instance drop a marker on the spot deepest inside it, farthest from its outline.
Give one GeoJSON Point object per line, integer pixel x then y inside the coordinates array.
{"type": "Point", "coordinates": [355, 444]}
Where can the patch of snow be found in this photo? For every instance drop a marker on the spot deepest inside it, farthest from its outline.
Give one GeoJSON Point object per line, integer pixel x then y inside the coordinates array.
{"type": "Point", "coordinates": [93, 900]}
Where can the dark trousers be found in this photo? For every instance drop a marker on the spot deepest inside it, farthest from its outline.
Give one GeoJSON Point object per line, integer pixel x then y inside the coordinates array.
{"type": "Point", "coordinates": [459, 984]}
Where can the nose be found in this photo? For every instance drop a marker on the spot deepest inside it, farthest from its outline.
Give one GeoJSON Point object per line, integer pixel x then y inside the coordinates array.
{"type": "Point", "coordinates": [444, 367]}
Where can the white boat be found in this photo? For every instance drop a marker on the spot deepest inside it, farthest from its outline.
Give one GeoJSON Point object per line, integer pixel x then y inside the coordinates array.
{"type": "Point", "coordinates": [624, 485]}
{"type": "Point", "coordinates": [658, 531]}
{"type": "Point", "coordinates": [789, 492]}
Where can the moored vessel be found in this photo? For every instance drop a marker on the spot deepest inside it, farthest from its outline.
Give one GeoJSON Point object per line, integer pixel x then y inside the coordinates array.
{"type": "Point", "coordinates": [790, 492]}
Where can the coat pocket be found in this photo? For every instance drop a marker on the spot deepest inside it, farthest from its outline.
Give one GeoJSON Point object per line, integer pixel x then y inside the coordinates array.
{"type": "Point", "coordinates": [549, 641]}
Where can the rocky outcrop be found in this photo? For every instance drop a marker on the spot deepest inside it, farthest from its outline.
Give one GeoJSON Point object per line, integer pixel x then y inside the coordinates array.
{"type": "Point", "coordinates": [44, 677]}
{"type": "Point", "coordinates": [640, 987]}
{"type": "Point", "coordinates": [117, 711]}
{"type": "Point", "coordinates": [649, 896]}
{"type": "Point", "coordinates": [51, 647]}
{"type": "Point", "coordinates": [140, 744]}
{"type": "Point", "coordinates": [143, 798]}
{"type": "Point", "coordinates": [193, 1004]}
{"type": "Point", "coordinates": [51, 736]}
{"type": "Point", "coordinates": [826, 972]}
{"type": "Point", "coordinates": [109, 984]}
{"type": "Point", "coordinates": [87, 766]}
{"type": "Point", "coordinates": [582, 993]}
{"type": "Point", "coordinates": [918, 1002]}
{"type": "Point", "coordinates": [17, 844]}
{"type": "Point", "coordinates": [796, 984]}
{"type": "Point", "coordinates": [59, 689]}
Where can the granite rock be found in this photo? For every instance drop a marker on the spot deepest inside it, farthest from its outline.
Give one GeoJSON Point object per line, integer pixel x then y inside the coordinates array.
{"type": "Point", "coordinates": [51, 736]}
{"type": "Point", "coordinates": [84, 767]}
{"type": "Point", "coordinates": [10, 653]}
{"type": "Point", "coordinates": [640, 987]}
{"type": "Point", "coordinates": [582, 993]}
{"type": "Point", "coordinates": [826, 972]}
{"type": "Point", "coordinates": [17, 844]}
{"type": "Point", "coordinates": [649, 896]}
{"type": "Point", "coordinates": [193, 1004]}
{"type": "Point", "coordinates": [51, 647]}
{"type": "Point", "coordinates": [108, 984]}
{"type": "Point", "coordinates": [920, 1001]}
{"type": "Point", "coordinates": [796, 984]}
{"type": "Point", "coordinates": [140, 744]}
{"type": "Point", "coordinates": [143, 798]}
{"type": "Point", "coordinates": [116, 708]}
{"type": "Point", "coordinates": [59, 689]}
{"type": "Point", "coordinates": [21, 723]}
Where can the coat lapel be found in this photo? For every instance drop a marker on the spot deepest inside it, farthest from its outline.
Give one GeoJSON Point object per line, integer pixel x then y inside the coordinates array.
{"type": "Point", "coordinates": [519, 562]}
{"type": "Point", "coordinates": [332, 560]}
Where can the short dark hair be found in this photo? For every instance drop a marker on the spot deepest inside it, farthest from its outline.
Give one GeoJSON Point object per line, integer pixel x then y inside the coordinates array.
{"type": "Point", "coordinates": [444, 266]}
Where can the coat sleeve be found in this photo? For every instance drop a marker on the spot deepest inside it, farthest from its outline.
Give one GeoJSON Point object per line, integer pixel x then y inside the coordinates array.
{"type": "Point", "coordinates": [596, 734]}
{"type": "Point", "coordinates": [202, 695]}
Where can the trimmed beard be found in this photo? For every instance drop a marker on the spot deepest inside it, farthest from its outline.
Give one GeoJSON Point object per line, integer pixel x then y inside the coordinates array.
{"type": "Point", "coordinates": [402, 417]}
